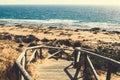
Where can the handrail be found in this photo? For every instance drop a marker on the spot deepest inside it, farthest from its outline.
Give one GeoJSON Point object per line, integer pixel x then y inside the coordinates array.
{"type": "Point", "coordinates": [54, 54]}
{"type": "Point", "coordinates": [92, 67]}
{"type": "Point", "coordinates": [32, 56]}
{"type": "Point", "coordinates": [102, 57]}
{"type": "Point", "coordinates": [20, 66]}
{"type": "Point", "coordinates": [23, 71]}
{"type": "Point", "coordinates": [22, 57]}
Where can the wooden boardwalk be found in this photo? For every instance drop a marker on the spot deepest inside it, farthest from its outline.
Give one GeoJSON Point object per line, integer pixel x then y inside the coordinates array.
{"type": "Point", "coordinates": [52, 69]}
{"type": "Point", "coordinates": [61, 69]}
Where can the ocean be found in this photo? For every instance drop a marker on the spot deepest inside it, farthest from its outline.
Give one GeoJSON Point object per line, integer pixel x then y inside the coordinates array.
{"type": "Point", "coordinates": [80, 17]}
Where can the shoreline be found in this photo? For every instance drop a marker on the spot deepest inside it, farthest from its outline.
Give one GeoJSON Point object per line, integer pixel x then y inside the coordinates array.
{"type": "Point", "coordinates": [61, 23]}
{"type": "Point", "coordinates": [54, 27]}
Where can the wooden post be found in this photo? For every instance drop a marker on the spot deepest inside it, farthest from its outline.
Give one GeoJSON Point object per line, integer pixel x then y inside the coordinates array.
{"type": "Point", "coordinates": [17, 72]}
{"type": "Point", "coordinates": [23, 64]}
{"type": "Point", "coordinates": [23, 72]}
{"type": "Point", "coordinates": [19, 75]}
{"type": "Point", "coordinates": [75, 58]}
{"type": "Point", "coordinates": [32, 56]}
{"type": "Point", "coordinates": [85, 68]}
{"type": "Point", "coordinates": [78, 56]}
{"type": "Point", "coordinates": [108, 77]}
{"type": "Point", "coordinates": [36, 55]}
{"type": "Point", "coordinates": [60, 54]}
{"type": "Point", "coordinates": [41, 56]}
{"type": "Point", "coordinates": [54, 54]}
{"type": "Point", "coordinates": [92, 68]}
{"type": "Point", "coordinates": [78, 64]}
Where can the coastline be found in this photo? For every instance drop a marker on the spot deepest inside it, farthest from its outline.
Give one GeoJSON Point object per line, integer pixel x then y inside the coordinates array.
{"type": "Point", "coordinates": [61, 23]}
{"type": "Point", "coordinates": [15, 39]}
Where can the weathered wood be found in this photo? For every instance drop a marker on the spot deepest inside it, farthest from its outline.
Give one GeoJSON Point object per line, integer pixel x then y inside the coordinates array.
{"type": "Point", "coordinates": [34, 47]}
{"type": "Point", "coordinates": [75, 65]}
{"type": "Point", "coordinates": [36, 54]}
{"type": "Point", "coordinates": [92, 68]}
{"type": "Point", "coordinates": [85, 68]}
{"type": "Point", "coordinates": [54, 54]}
{"type": "Point", "coordinates": [41, 55]}
{"type": "Point", "coordinates": [32, 56]}
{"type": "Point", "coordinates": [60, 54]}
{"type": "Point", "coordinates": [78, 65]}
{"type": "Point", "coordinates": [78, 57]}
{"type": "Point", "coordinates": [23, 71]}
{"type": "Point", "coordinates": [83, 50]}
{"type": "Point", "coordinates": [117, 63]}
{"type": "Point", "coordinates": [18, 73]}
{"type": "Point", "coordinates": [49, 47]}
{"type": "Point", "coordinates": [108, 76]}
{"type": "Point", "coordinates": [75, 53]}
{"type": "Point", "coordinates": [21, 56]}
{"type": "Point", "coordinates": [23, 64]}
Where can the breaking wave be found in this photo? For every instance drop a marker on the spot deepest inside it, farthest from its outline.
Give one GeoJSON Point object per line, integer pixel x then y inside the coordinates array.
{"type": "Point", "coordinates": [63, 23]}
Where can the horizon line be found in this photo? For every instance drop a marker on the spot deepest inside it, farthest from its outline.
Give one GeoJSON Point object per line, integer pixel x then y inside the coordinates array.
{"type": "Point", "coordinates": [62, 4]}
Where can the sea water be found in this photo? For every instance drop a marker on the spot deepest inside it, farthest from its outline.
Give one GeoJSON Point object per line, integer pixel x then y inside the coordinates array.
{"type": "Point", "coordinates": [82, 17]}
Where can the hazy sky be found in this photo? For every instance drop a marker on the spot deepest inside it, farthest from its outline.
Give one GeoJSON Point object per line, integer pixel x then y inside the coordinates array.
{"type": "Point", "coordinates": [69, 2]}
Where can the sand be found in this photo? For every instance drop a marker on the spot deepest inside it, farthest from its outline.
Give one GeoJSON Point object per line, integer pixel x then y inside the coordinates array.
{"type": "Point", "coordinates": [10, 49]}
{"type": "Point", "coordinates": [54, 33]}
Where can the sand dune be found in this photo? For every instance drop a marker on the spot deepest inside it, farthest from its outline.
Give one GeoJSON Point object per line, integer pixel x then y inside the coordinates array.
{"type": "Point", "coordinates": [14, 39]}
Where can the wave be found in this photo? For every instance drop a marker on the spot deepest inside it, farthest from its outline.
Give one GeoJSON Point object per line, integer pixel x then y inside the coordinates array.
{"type": "Point", "coordinates": [62, 23]}
{"type": "Point", "coordinates": [40, 21]}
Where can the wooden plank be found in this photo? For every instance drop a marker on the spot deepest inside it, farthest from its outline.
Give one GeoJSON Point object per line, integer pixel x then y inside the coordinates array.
{"type": "Point", "coordinates": [32, 56]}
{"type": "Point", "coordinates": [50, 47]}
{"type": "Point", "coordinates": [117, 63]}
{"type": "Point", "coordinates": [21, 56]}
{"type": "Point", "coordinates": [41, 55]}
{"type": "Point", "coordinates": [34, 47]}
{"type": "Point", "coordinates": [84, 50]}
{"type": "Point", "coordinates": [23, 71]}
{"type": "Point", "coordinates": [78, 57]}
{"type": "Point", "coordinates": [53, 54]}
{"type": "Point", "coordinates": [92, 68]}
{"type": "Point", "coordinates": [75, 53]}
{"type": "Point", "coordinates": [23, 64]}
{"type": "Point", "coordinates": [58, 48]}
{"type": "Point", "coordinates": [108, 77]}
{"type": "Point", "coordinates": [28, 77]}
{"type": "Point", "coordinates": [85, 67]}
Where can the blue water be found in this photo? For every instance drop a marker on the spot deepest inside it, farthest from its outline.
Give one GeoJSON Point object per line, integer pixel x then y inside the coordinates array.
{"type": "Point", "coordinates": [105, 17]}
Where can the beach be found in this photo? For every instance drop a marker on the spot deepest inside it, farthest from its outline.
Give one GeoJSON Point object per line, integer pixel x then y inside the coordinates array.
{"type": "Point", "coordinates": [14, 39]}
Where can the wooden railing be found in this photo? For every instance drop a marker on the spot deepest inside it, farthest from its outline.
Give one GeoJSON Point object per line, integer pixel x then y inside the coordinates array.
{"type": "Point", "coordinates": [81, 57]}
{"type": "Point", "coordinates": [88, 63]}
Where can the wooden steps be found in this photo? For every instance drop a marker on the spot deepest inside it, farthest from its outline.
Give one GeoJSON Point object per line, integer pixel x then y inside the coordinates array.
{"type": "Point", "coordinates": [52, 69]}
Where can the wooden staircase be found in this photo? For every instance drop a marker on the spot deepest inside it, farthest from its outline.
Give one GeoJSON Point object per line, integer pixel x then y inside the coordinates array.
{"type": "Point", "coordinates": [57, 67]}
{"type": "Point", "coordinates": [52, 69]}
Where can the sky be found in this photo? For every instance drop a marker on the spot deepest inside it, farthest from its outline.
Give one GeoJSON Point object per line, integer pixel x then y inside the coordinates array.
{"type": "Point", "coordinates": [63, 2]}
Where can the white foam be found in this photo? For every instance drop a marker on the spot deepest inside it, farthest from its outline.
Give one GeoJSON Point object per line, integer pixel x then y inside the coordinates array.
{"type": "Point", "coordinates": [40, 21]}
{"type": "Point", "coordinates": [102, 25]}
{"type": "Point", "coordinates": [64, 23]}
